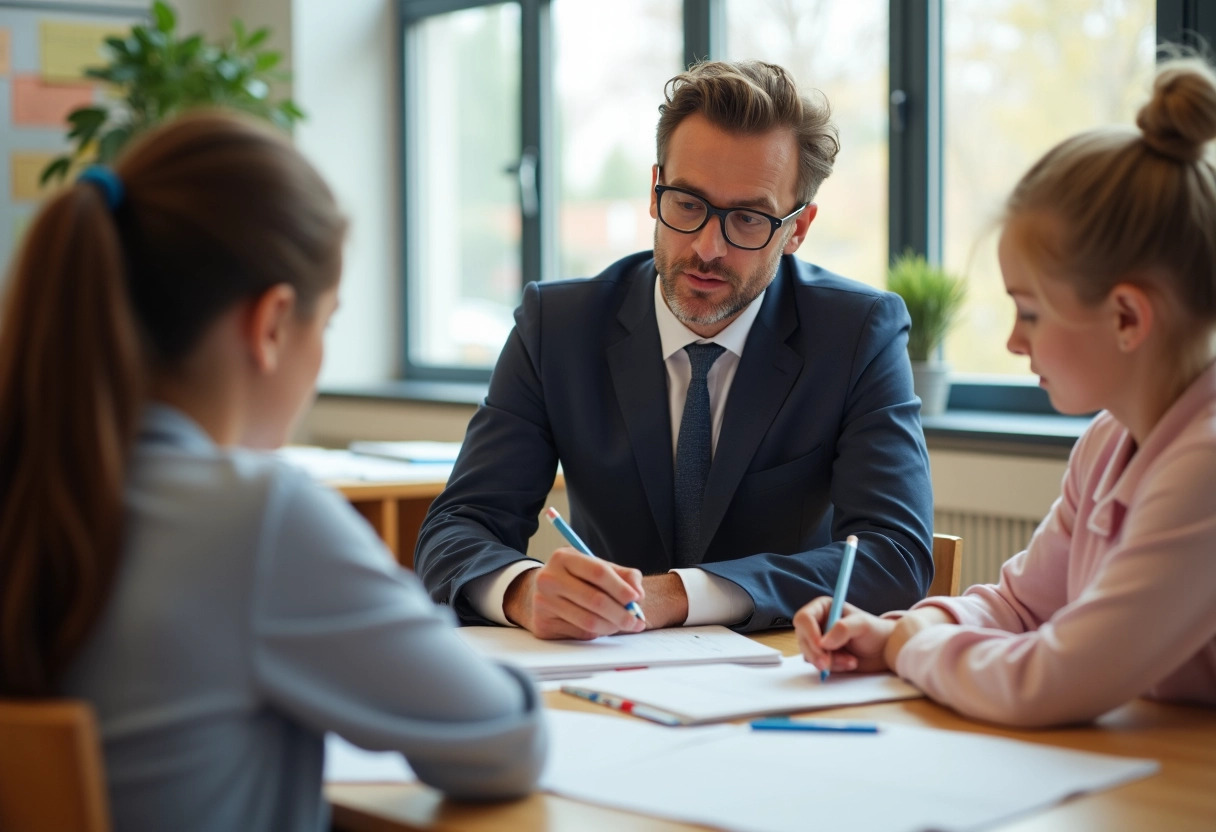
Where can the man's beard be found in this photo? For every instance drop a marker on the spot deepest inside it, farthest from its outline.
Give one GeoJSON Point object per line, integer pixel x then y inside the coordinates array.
{"type": "Point", "coordinates": [743, 291]}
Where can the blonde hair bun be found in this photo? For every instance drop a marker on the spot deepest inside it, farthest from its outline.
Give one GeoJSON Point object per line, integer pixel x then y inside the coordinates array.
{"type": "Point", "coordinates": [1180, 119]}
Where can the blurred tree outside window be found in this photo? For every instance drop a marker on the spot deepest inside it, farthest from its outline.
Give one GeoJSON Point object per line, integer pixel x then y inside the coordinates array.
{"type": "Point", "coordinates": [1018, 76]}
{"type": "Point", "coordinates": [1021, 75]}
{"type": "Point", "coordinates": [839, 49]}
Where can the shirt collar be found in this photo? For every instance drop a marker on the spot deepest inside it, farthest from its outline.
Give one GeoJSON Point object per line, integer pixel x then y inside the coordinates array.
{"type": "Point", "coordinates": [674, 336]}
{"type": "Point", "coordinates": [170, 426]}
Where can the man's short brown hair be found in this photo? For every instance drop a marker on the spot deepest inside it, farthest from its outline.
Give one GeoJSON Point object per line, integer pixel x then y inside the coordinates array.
{"type": "Point", "coordinates": [753, 97]}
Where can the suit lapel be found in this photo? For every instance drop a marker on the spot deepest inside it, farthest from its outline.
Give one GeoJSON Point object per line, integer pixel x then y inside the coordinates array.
{"type": "Point", "coordinates": [640, 381]}
{"type": "Point", "coordinates": [763, 380]}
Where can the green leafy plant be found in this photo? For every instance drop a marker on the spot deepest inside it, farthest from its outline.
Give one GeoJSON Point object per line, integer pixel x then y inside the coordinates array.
{"type": "Point", "coordinates": [933, 296]}
{"type": "Point", "coordinates": [157, 74]}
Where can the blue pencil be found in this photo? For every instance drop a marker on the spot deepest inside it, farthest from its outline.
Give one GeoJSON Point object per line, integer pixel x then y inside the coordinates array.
{"type": "Point", "coordinates": [842, 589]}
{"type": "Point", "coordinates": [577, 542]}
{"type": "Point", "coordinates": [842, 726]}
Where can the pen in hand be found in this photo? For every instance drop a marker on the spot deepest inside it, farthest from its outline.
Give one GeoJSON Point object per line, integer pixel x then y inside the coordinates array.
{"type": "Point", "coordinates": [575, 541]}
{"type": "Point", "coordinates": [842, 589]}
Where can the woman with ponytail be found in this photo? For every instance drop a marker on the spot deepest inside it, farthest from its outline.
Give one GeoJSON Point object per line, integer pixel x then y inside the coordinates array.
{"type": "Point", "coordinates": [163, 325]}
{"type": "Point", "coordinates": [1108, 251]}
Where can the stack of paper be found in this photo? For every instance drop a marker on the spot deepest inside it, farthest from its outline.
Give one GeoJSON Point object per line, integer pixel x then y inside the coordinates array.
{"type": "Point", "coordinates": [714, 693]}
{"type": "Point", "coordinates": [565, 659]}
{"type": "Point", "coordinates": [903, 778]}
{"type": "Point", "coordinates": [333, 464]}
{"type": "Point", "coordinates": [408, 451]}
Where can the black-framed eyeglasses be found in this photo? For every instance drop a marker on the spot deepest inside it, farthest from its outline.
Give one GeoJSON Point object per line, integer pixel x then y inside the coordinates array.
{"type": "Point", "coordinates": [687, 212]}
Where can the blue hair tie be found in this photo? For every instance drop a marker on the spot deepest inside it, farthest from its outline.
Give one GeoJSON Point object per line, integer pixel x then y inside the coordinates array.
{"type": "Point", "coordinates": [106, 181]}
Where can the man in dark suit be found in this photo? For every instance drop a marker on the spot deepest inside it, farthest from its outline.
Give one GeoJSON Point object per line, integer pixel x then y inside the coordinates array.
{"type": "Point", "coordinates": [724, 414]}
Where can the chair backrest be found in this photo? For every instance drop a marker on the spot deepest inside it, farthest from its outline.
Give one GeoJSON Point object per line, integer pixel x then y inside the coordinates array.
{"type": "Point", "coordinates": [947, 564]}
{"type": "Point", "coordinates": [51, 772]}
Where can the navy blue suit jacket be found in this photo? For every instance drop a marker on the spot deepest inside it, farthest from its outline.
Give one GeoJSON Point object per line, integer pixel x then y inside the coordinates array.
{"type": "Point", "coordinates": [821, 438]}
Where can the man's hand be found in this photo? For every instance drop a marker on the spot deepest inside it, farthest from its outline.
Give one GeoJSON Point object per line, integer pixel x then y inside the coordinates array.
{"type": "Point", "coordinates": [575, 596]}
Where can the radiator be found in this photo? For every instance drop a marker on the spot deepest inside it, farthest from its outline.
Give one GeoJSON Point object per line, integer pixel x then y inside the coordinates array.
{"type": "Point", "coordinates": [988, 541]}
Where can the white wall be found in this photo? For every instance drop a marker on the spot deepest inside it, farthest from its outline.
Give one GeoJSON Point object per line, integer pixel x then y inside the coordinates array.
{"type": "Point", "coordinates": [345, 79]}
{"type": "Point", "coordinates": [994, 484]}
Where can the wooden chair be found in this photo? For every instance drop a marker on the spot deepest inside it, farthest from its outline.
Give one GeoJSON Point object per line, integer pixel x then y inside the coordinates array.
{"type": "Point", "coordinates": [51, 772]}
{"type": "Point", "coordinates": [947, 564]}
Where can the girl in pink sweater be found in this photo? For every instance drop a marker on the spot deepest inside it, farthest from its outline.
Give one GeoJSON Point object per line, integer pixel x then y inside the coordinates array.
{"type": "Point", "coordinates": [1108, 250]}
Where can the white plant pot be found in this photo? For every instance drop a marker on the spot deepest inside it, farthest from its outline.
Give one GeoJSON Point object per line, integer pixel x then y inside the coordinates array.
{"type": "Point", "coordinates": [931, 381]}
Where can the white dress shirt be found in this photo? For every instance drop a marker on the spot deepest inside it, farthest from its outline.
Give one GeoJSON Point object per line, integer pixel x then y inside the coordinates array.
{"type": "Point", "coordinates": [711, 599]}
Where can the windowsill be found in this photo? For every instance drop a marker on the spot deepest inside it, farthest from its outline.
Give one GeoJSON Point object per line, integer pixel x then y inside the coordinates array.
{"type": "Point", "coordinates": [992, 431]}
{"type": "Point", "coordinates": [1030, 434]}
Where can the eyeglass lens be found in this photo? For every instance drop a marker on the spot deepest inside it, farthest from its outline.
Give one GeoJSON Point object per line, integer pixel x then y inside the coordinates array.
{"type": "Point", "coordinates": [685, 212]}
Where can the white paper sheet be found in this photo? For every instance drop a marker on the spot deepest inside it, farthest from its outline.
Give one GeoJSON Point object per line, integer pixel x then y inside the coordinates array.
{"type": "Point", "coordinates": [347, 763]}
{"type": "Point", "coordinates": [582, 743]}
{"type": "Point", "coordinates": [329, 464]}
{"type": "Point", "coordinates": [408, 451]}
{"type": "Point", "coordinates": [570, 658]}
{"type": "Point", "coordinates": [727, 691]}
{"type": "Point", "coordinates": [902, 779]}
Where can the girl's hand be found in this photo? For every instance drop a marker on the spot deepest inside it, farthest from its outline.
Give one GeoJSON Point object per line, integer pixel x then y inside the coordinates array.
{"type": "Point", "coordinates": [855, 642]}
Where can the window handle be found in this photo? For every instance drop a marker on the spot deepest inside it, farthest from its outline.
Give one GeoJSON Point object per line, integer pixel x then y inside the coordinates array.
{"type": "Point", "coordinates": [899, 111]}
{"type": "Point", "coordinates": [525, 172]}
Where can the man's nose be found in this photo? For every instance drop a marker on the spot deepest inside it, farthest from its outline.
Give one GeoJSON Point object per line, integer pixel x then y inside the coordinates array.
{"type": "Point", "coordinates": [709, 243]}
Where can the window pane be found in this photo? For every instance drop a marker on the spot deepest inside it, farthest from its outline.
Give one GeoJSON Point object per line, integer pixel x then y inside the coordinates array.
{"type": "Point", "coordinates": [841, 49]}
{"type": "Point", "coordinates": [1020, 75]}
{"type": "Point", "coordinates": [612, 62]}
{"type": "Point", "coordinates": [464, 246]}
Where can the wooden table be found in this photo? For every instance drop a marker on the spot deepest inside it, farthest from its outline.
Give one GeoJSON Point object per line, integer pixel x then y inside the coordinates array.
{"type": "Point", "coordinates": [396, 509]}
{"type": "Point", "coordinates": [1180, 798]}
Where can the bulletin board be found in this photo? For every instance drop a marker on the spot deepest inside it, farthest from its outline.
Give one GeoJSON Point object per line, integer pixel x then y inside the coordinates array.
{"type": "Point", "coordinates": [44, 50]}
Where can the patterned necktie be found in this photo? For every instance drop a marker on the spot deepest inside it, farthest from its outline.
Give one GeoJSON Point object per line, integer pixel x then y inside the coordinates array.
{"type": "Point", "coordinates": [694, 452]}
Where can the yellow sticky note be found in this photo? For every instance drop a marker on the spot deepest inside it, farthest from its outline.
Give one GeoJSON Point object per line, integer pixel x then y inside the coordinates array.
{"type": "Point", "coordinates": [6, 51]}
{"type": "Point", "coordinates": [68, 49]}
{"type": "Point", "coordinates": [26, 167]}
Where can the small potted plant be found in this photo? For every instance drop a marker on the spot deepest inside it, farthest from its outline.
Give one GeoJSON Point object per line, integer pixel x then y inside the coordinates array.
{"type": "Point", "coordinates": [156, 74]}
{"type": "Point", "coordinates": [934, 298]}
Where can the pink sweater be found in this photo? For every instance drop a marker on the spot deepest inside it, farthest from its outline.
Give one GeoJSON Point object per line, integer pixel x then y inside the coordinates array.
{"type": "Point", "coordinates": [1114, 598]}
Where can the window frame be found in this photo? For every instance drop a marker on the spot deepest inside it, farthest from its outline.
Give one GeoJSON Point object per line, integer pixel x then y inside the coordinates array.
{"type": "Point", "coordinates": [914, 132]}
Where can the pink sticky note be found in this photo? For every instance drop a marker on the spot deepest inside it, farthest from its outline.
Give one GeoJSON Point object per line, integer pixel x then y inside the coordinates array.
{"type": "Point", "coordinates": [38, 104]}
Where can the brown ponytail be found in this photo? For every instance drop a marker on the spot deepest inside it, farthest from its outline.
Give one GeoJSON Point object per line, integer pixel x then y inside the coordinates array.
{"type": "Point", "coordinates": [216, 210]}
{"type": "Point", "coordinates": [71, 382]}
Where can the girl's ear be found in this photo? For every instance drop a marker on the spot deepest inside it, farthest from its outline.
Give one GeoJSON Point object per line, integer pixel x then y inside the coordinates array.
{"type": "Point", "coordinates": [1134, 315]}
{"type": "Point", "coordinates": [266, 326]}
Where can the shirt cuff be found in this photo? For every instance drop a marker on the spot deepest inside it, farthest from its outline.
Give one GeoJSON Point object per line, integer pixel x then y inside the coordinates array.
{"type": "Point", "coordinates": [486, 593]}
{"type": "Point", "coordinates": [713, 599]}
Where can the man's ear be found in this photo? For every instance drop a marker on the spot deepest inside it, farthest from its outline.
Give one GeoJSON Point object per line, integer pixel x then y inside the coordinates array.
{"type": "Point", "coordinates": [1133, 315]}
{"type": "Point", "coordinates": [266, 326]}
{"type": "Point", "coordinates": [802, 224]}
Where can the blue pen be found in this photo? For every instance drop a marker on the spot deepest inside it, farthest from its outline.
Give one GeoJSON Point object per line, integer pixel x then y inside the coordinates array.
{"type": "Point", "coordinates": [577, 542]}
{"type": "Point", "coordinates": [843, 726]}
{"type": "Point", "coordinates": [842, 589]}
